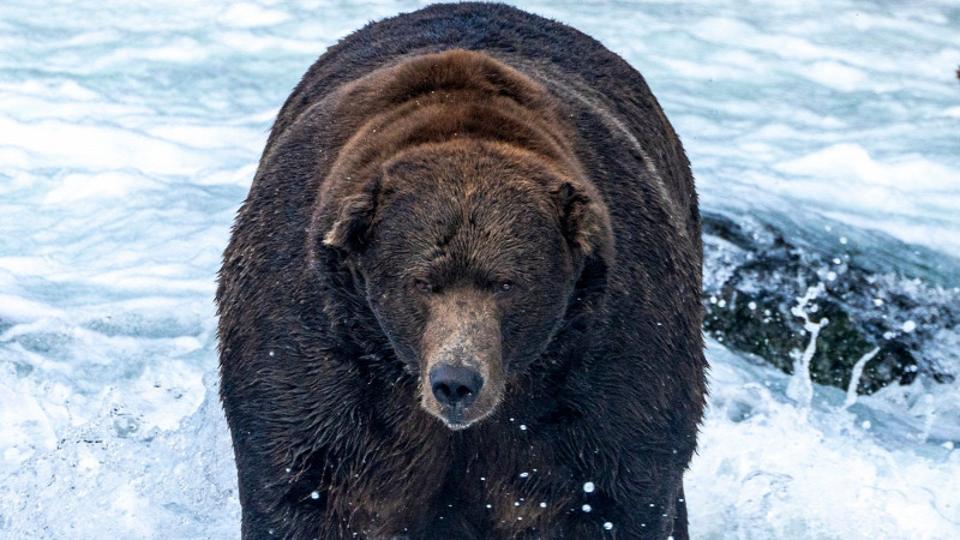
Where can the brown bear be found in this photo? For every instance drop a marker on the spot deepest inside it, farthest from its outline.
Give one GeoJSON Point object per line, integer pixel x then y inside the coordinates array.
{"type": "Point", "coordinates": [462, 299]}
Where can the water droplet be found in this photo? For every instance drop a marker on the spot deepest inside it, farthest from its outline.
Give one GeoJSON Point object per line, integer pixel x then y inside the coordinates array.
{"type": "Point", "coordinates": [608, 526]}
{"type": "Point", "coordinates": [588, 487]}
{"type": "Point", "coordinates": [586, 508]}
{"type": "Point", "coordinates": [314, 495]}
{"type": "Point", "coordinates": [524, 474]}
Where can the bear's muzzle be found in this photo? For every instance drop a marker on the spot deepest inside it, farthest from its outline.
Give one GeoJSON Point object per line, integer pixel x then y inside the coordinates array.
{"type": "Point", "coordinates": [461, 358]}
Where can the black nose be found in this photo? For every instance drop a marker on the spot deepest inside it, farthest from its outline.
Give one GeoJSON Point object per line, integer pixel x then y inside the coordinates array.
{"type": "Point", "coordinates": [455, 386]}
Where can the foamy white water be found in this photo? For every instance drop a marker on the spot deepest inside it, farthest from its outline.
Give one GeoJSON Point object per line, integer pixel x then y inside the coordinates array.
{"type": "Point", "coordinates": [130, 131]}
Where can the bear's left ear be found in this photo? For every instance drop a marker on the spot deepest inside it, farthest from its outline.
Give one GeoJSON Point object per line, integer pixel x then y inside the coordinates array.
{"type": "Point", "coordinates": [351, 228]}
{"type": "Point", "coordinates": [584, 220]}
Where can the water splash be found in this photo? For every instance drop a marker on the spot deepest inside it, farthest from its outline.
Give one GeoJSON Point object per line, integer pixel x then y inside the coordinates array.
{"type": "Point", "coordinates": [800, 388]}
{"type": "Point", "coordinates": [855, 377]}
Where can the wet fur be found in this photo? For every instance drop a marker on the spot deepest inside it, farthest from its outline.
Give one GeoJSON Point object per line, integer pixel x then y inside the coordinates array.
{"type": "Point", "coordinates": [315, 396]}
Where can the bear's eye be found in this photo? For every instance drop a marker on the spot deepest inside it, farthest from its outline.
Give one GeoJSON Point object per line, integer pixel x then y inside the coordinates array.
{"type": "Point", "coordinates": [423, 286]}
{"type": "Point", "coordinates": [504, 286]}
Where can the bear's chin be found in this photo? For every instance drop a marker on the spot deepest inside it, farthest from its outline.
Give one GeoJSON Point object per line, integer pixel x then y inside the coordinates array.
{"type": "Point", "coordinates": [460, 424]}
{"type": "Point", "coordinates": [460, 420]}
{"type": "Point", "coordinates": [457, 426]}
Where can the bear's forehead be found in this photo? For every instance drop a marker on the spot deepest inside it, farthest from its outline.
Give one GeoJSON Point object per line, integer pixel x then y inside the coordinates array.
{"type": "Point", "coordinates": [474, 172]}
{"type": "Point", "coordinates": [484, 233]}
{"type": "Point", "coordinates": [447, 216]}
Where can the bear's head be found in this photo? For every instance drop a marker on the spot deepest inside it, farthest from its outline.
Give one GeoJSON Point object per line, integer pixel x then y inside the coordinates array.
{"type": "Point", "coordinates": [470, 254]}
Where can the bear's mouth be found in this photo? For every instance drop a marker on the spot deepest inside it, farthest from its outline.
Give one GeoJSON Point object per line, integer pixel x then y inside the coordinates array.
{"type": "Point", "coordinates": [457, 426]}
{"type": "Point", "coordinates": [458, 421]}
{"type": "Point", "coordinates": [455, 423]}
{"type": "Point", "coordinates": [460, 416]}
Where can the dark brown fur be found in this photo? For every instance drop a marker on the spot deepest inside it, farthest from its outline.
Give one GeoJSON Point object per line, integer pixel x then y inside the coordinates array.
{"type": "Point", "coordinates": [537, 160]}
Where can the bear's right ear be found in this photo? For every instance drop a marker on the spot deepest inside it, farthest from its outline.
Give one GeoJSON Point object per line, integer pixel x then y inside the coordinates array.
{"type": "Point", "coordinates": [350, 230]}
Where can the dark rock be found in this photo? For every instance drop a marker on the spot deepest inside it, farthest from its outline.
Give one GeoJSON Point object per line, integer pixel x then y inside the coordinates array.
{"type": "Point", "coordinates": [754, 278]}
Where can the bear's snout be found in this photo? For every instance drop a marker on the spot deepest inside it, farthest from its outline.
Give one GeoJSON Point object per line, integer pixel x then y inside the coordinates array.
{"type": "Point", "coordinates": [455, 387]}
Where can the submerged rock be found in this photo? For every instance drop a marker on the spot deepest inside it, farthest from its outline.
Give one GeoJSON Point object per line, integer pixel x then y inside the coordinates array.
{"type": "Point", "coordinates": [754, 278]}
